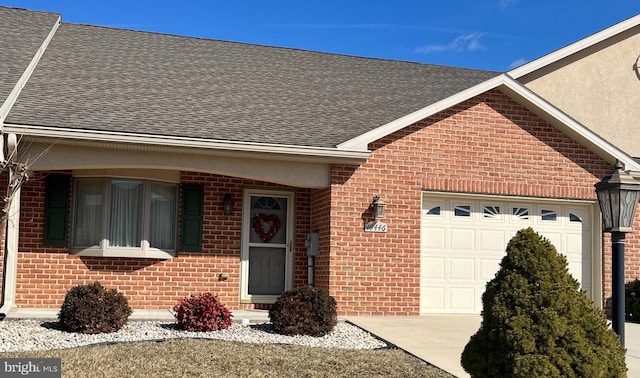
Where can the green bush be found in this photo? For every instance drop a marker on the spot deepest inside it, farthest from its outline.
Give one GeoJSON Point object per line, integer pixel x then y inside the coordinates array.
{"type": "Point", "coordinates": [201, 313]}
{"type": "Point", "coordinates": [304, 311]}
{"type": "Point", "coordinates": [537, 323]}
{"type": "Point", "coordinates": [91, 308]}
{"type": "Point", "coordinates": [632, 301]}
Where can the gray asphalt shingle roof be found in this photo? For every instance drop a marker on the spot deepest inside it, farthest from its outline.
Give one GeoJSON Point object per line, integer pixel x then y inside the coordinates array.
{"type": "Point", "coordinates": [129, 81]}
{"type": "Point", "coordinates": [22, 33]}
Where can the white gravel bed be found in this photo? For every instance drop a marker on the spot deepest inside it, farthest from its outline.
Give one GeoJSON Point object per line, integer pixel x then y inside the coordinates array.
{"type": "Point", "coordinates": [31, 335]}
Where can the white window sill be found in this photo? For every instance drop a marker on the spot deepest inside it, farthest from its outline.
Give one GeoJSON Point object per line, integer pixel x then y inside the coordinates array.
{"type": "Point", "coordinates": [151, 253]}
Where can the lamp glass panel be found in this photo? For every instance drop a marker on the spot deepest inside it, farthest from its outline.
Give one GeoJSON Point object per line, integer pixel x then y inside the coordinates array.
{"type": "Point", "coordinates": [628, 201]}
{"type": "Point", "coordinates": [604, 199]}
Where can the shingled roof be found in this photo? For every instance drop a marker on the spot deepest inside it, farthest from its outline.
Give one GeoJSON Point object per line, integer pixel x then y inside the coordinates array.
{"type": "Point", "coordinates": [22, 33]}
{"type": "Point", "coordinates": [116, 80]}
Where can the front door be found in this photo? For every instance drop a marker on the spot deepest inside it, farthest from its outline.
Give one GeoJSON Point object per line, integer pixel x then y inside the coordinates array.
{"type": "Point", "coordinates": [266, 249]}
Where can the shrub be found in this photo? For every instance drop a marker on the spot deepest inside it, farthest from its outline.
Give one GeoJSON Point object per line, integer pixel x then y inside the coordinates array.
{"type": "Point", "coordinates": [91, 308]}
{"type": "Point", "coordinates": [537, 323]}
{"type": "Point", "coordinates": [304, 311]}
{"type": "Point", "coordinates": [201, 313]}
{"type": "Point", "coordinates": [632, 301]}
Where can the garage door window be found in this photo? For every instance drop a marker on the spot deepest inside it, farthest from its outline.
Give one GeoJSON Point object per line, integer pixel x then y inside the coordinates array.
{"type": "Point", "coordinates": [491, 212]}
{"type": "Point", "coordinates": [520, 213]}
{"type": "Point", "coordinates": [574, 218]}
{"type": "Point", "coordinates": [462, 211]}
{"type": "Point", "coordinates": [548, 215]}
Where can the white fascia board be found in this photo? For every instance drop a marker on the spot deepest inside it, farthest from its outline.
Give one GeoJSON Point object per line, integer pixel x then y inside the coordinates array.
{"type": "Point", "coordinates": [186, 143]}
{"type": "Point", "coordinates": [594, 141]}
{"type": "Point", "coordinates": [15, 92]}
{"type": "Point", "coordinates": [362, 141]}
{"type": "Point", "coordinates": [564, 52]}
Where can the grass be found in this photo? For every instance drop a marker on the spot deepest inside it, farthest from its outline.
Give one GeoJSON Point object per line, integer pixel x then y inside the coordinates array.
{"type": "Point", "coordinates": [215, 358]}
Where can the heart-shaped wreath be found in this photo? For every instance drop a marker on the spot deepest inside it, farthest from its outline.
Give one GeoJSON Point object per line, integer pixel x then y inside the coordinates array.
{"type": "Point", "coordinates": [258, 223]}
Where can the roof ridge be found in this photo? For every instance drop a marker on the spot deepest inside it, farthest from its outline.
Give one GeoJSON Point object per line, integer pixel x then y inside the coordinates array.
{"type": "Point", "coordinates": [190, 37]}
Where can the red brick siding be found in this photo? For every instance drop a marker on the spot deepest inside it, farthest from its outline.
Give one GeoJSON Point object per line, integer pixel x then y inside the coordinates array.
{"type": "Point", "coordinates": [488, 144]}
{"type": "Point", "coordinates": [321, 222]}
{"type": "Point", "coordinates": [45, 273]}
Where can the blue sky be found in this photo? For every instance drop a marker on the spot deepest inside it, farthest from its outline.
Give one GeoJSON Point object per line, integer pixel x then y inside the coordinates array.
{"type": "Point", "coordinates": [494, 35]}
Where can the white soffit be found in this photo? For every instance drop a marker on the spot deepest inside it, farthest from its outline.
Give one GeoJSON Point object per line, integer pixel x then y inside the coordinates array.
{"type": "Point", "coordinates": [574, 47]}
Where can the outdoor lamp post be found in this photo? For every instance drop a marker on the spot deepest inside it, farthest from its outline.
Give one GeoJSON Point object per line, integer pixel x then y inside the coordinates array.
{"type": "Point", "coordinates": [618, 197]}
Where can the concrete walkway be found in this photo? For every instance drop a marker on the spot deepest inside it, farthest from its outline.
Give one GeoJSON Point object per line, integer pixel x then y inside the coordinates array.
{"type": "Point", "coordinates": [440, 339]}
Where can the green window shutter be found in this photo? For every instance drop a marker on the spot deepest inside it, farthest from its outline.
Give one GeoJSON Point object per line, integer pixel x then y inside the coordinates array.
{"type": "Point", "coordinates": [56, 210]}
{"type": "Point", "coordinates": [192, 214]}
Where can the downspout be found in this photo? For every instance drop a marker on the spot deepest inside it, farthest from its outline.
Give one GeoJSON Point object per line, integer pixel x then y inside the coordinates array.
{"type": "Point", "coordinates": [11, 234]}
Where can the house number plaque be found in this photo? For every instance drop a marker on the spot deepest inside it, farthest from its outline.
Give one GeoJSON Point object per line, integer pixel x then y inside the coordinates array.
{"type": "Point", "coordinates": [375, 226]}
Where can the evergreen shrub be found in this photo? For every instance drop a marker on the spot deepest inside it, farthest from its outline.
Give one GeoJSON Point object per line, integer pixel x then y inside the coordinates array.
{"type": "Point", "coordinates": [537, 323]}
{"type": "Point", "coordinates": [304, 311]}
{"type": "Point", "coordinates": [201, 313]}
{"type": "Point", "coordinates": [632, 301]}
{"type": "Point", "coordinates": [92, 308]}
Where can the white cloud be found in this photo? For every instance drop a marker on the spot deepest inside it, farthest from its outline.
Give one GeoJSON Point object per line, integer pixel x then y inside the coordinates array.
{"type": "Point", "coordinates": [465, 42]}
{"type": "Point", "coordinates": [517, 63]}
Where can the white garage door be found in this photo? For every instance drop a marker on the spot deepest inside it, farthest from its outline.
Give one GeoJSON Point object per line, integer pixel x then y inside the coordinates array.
{"type": "Point", "coordinates": [464, 238]}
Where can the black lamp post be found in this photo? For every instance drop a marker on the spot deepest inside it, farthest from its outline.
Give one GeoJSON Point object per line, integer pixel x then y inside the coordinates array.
{"type": "Point", "coordinates": [618, 197]}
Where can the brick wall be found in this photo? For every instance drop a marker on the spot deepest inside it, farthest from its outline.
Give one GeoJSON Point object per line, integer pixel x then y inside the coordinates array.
{"type": "Point", "coordinates": [45, 273]}
{"type": "Point", "coordinates": [488, 144]}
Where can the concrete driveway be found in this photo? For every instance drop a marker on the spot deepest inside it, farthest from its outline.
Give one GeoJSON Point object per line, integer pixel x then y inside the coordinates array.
{"type": "Point", "coordinates": [440, 339]}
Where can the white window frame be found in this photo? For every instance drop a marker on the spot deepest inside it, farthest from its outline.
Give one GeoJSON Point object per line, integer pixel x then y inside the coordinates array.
{"type": "Point", "coordinates": [104, 249]}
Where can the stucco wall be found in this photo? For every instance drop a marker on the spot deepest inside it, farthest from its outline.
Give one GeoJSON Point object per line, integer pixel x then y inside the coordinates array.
{"type": "Point", "coordinates": [599, 87]}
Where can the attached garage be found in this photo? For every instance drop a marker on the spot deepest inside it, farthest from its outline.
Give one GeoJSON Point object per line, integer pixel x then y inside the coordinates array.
{"type": "Point", "coordinates": [463, 240]}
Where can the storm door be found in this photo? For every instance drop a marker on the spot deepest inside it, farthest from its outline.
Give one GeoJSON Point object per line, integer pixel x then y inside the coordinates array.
{"type": "Point", "coordinates": [266, 252]}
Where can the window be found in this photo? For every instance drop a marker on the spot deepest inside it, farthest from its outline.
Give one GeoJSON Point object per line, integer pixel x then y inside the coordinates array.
{"type": "Point", "coordinates": [548, 215]}
{"type": "Point", "coordinates": [462, 211]}
{"type": "Point", "coordinates": [491, 212]}
{"type": "Point", "coordinates": [520, 213]}
{"type": "Point", "coordinates": [122, 217]}
{"type": "Point", "coordinates": [434, 211]}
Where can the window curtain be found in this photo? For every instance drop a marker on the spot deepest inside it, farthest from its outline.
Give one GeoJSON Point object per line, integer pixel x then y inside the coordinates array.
{"type": "Point", "coordinates": [126, 213]}
{"type": "Point", "coordinates": [163, 216]}
{"type": "Point", "coordinates": [88, 217]}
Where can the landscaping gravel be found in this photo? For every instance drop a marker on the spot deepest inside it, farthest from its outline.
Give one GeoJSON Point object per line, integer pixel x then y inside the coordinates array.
{"type": "Point", "coordinates": [31, 335]}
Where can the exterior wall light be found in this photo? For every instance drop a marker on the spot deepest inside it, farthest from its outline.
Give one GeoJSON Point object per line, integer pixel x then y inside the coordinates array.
{"type": "Point", "coordinates": [618, 197]}
{"type": "Point", "coordinates": [227, 204]}
{"type": "Point", "coordinates": [378, 207]}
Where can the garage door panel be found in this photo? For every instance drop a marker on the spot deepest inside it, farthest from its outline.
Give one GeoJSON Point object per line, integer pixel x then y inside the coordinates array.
{"type": "Point", "coordinates": [432, 299]}
{"type": "Point", "coordinates": [433, 238]}
{"type": "Point", "coordinates": [492, 240]}
{"type": "Point", "coordinates": [433, 268]}
{"type": "Point", "coordinates": [464, 240]}
{"type": "Point", "coordinates": [462, 299]}
{"type": "Point", "coordinates": [488, 269]}
{"type": "Point", "coordinates": [462, 269]}
{"type": "Point", "coordinates": [555, 238]}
